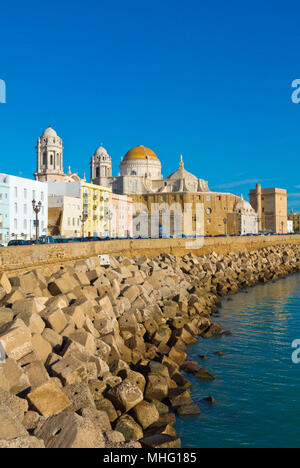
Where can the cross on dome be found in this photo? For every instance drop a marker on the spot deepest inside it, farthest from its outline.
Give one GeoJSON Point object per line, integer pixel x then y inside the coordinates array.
{"type": "Point", "coordinates": [181, 164]}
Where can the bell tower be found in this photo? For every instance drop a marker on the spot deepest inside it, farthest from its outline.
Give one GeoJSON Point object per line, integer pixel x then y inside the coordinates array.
{"type": "Point", "coordinates": [49, 157]}
{"type": "Point", "coordinates": [101, 167]}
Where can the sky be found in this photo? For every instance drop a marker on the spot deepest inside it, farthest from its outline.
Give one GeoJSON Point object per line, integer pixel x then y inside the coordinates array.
{"type": "Point", "coordinates": [211, 80]}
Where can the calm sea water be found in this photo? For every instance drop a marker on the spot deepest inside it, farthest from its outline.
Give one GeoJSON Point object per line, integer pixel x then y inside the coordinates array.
{"type": "Point", "coordinates": [257, 386]}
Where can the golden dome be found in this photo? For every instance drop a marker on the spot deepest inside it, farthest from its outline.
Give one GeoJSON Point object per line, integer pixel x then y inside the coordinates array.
{"type": "Point", "coordinates": [140, 152]}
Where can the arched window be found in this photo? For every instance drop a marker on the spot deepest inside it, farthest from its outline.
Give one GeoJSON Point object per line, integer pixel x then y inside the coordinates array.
{"type": "Point", "coordinates": [45, 159]}
{"type": "Point", "coordinates": [97, 172]}
{"type": "Point", "coordinates": [51, 159]}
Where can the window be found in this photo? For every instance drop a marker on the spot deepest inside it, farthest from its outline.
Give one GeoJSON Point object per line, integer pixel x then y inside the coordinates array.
{"type": "Point", "coordinates": [25, 209]}
{"type": "Point", "coordinates": [16, 208]}
{"type": "Point", "coordinates": [208, 198]}
{"type": "Point", "coordinates": [25, 193]}
{"type": "Point", "coordinates": [33, 194]}
{"type": "Point", "coordinates": [42, 196]}
{"type": "Point", "coordinates": [16, 191]}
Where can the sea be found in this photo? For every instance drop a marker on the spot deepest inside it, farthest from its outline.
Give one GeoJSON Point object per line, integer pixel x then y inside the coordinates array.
{"type": "Point", "coordinates": [257, 377]}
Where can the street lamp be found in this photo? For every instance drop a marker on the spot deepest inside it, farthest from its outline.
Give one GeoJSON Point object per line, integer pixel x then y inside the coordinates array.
{"type": "Point", "coordinates": [36, 208]}
{"type": "Point", "coordinates": [83, 219]}
{"type": "Point", "coordinates": [108, 217]}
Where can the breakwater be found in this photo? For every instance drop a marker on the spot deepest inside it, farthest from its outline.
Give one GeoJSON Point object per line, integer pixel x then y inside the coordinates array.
{"type": "Point", "coordinates": [94, 355]}
{"type": "Point", "coordinates": [51, 257]}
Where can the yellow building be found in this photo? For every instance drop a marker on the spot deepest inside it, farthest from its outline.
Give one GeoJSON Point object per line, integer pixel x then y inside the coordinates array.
{"type": "Point", "coordinates": [96, 210]}
{"type": "Point", "coordinates": [271, 206]}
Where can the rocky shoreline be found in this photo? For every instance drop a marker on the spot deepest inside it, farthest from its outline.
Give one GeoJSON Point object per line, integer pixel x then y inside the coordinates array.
{"type": "Point", "coordinates": [94, 355]}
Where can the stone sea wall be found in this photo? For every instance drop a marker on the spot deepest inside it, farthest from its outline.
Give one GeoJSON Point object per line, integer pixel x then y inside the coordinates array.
{"type": "Point", "coordinates": [97, 357]}
{"type": "Point", "coordinates": [50, 257]}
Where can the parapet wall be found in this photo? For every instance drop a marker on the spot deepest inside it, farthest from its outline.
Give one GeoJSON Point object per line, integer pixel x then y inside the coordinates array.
{"type": "Point", "coordinates": [14, 259]}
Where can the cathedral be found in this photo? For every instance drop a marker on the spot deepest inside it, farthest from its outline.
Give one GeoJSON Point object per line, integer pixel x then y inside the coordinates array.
{"type": "Point", "coordinates": [140, 170]}
{"type": "Point", "coordinates": [140, 173]}
{"type": "Point", "coordinates": [141, 178]}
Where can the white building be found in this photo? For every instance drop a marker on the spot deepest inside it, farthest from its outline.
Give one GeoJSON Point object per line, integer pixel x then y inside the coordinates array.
{"type": "Point", "coordinates": [290, 227]}
{"type": "Point", "coordinates": [18, 217]}
{"type": "Point", "coordinates": [122, 216]}
{"type": "Point", "coordinates": [69, 189]}
{"type": "Point", "coordinates": [64, 216]}
{"type": "Point", "coordinates": [247, 218]}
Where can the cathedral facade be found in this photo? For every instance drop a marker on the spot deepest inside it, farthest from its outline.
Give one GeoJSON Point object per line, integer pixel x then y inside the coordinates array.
{"type": "Point", "coordinates": [140, 173]}
{"type": "Point", "coordinates": [176, 197]}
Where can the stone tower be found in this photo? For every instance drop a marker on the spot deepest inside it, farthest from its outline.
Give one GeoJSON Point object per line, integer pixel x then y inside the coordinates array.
{"type": "Point", "coordinates": [49, 157]}
{"type": "Point", "coordinates": [101, 167]}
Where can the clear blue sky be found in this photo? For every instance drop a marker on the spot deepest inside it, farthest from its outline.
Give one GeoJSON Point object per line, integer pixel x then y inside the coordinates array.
{"type": "Point", "coordinates": [209, 79]}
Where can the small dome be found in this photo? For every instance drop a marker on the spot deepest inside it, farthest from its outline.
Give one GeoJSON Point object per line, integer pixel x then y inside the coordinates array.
{"type": "Point", "coordinates": [49, 132]}
{"type": "Point", "coordinates": [181, 173]}
{"type": "Point", "coordinates": [140, 152]}
{"type": "Point", "coordinates": [243, 206]}
{"type": "Point", "coordinates": [101, 151]}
